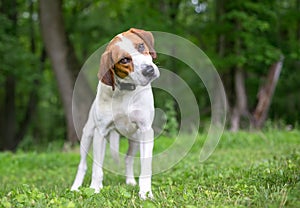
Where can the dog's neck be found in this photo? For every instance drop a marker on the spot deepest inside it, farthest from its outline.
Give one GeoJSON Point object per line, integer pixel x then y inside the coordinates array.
{"type": "Point", "coordinates": [124, 85]}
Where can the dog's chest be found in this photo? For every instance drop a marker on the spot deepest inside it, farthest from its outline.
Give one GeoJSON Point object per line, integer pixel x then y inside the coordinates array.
{"type": "Point", "coordinates": [126, 111]}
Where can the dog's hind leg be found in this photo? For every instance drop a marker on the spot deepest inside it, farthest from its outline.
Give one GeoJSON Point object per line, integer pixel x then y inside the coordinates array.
{"type": "Point", "coordinates": [99, 143]}
{"type": "Point", "coordinates": [129, 160]}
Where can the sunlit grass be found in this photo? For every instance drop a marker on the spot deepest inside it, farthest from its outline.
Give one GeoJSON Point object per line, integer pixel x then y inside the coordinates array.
{"type": "Point", "coordinates": [260, 169]}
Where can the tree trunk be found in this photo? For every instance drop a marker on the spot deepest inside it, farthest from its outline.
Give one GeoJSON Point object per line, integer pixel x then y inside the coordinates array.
{"type": "Point", "coordinates": [298, 23]}
{"type": "Point", "coordinates": [265, 95]}
{"type": "Point", "coordinates": [33, 100]}
{"type": "Point", "coordinates": [57, 47]}
{"type": "Point", "coordinates": [220, 48]}
{"type": "Point", "coordinates": [220, 10]}
{"type": "Point", "coordinates": [33, 95]}
{"type": "Point", "coordinates": [240, 109]}
{"type": "Point", "coordinates": [9, 121]}
{"type": "Point", "coordinates": [10, 125]}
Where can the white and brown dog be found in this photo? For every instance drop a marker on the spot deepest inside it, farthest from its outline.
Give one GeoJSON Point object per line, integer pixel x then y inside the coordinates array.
{"type": "Point", "coordinates": [123, 105]}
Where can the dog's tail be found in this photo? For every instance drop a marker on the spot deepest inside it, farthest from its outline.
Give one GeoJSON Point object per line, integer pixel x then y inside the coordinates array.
{"type": "Point", "coordinates": [114, 140]}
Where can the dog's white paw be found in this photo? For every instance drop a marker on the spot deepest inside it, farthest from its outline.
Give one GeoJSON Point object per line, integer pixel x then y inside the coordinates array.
{"type": "Point", "coordinates": [96, 188]}
{"type": "Point", "coordinates": [146, 195]}
{"type": "Point", "coordinates": [130, 181]}
{"type": "Point", "coordinates": [97, 191]}
{"type": "Point", "coordinates": [74, 189]}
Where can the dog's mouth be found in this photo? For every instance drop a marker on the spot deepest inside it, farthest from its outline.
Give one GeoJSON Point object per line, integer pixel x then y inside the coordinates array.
{"type": "Point", "coordinates": [146, 82]}
{"type": "Point", "coordinates": [149, 79]}
{"type": "Point", "coordinates": [143, 77]}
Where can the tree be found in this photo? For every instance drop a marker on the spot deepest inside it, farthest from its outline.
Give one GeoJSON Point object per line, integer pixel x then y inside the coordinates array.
{"type": "Point", "coordinates": [244, 39]}
{"type": "Point", "coordinates": [61, 55]}
{"type": "Point", "coordinates": [8, 8]}
{"type": "Point", "coordinates": [265, 95]}
{"type": "Point", "coordinates": [18, 62]}
{"type": "Point", "coordinates": [243, 24]}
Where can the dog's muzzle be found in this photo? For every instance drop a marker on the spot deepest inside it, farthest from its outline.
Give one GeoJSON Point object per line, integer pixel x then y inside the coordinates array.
{"type": "Point", "coordinates": [147, 70]}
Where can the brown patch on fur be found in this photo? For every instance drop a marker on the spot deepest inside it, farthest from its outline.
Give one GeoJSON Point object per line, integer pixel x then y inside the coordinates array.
{"type": "Point", "coordinates": [106, 74]}
{"type": "Point", "coordinates": [110, 60]}
{"type": "Point", "coordinates": [147, 37]}
{"type": "Point", "coordinates": [122, 70]}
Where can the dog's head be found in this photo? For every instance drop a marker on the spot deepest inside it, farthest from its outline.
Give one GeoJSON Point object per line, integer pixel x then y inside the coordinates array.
{"type": "Point", "coordinates": [128, 58]}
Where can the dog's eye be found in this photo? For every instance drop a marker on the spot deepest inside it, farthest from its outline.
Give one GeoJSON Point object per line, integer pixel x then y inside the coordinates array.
{"type": "Point", "coordinates": [141, 47]}
{"type": "Point", "coordinates": [125, 60]}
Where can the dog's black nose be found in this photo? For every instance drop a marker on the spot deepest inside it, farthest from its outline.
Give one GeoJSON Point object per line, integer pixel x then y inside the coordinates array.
{"type": "Point", "coordinates": [148, 70]}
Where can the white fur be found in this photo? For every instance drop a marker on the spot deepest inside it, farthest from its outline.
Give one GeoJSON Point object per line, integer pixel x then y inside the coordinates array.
{"type": "Point", "coordinates": [129, 113]}
{"type": "Point", "coordinates": [138, 60]}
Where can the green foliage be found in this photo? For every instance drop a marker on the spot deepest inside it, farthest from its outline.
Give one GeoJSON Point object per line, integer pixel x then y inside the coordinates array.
{"type": "Point", "coordinates": [19, 64]}
{"type": "Point", "coordinates": [247, 169]}
{"type": "Point", "coordinates": [255, 33]}
{"type": "Point", "coordinates": [171, 127]}
{"type": "Point", "coordinates": [16, 60]}
{"type": "Point", "coordinates": [21, 60]}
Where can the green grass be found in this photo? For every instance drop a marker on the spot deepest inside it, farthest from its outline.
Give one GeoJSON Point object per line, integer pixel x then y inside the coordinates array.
{"type": "Point", "coordinates": [246, 170]}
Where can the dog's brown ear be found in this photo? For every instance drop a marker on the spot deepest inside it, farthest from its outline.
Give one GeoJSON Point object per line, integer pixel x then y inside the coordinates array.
{"type": "Point", "coordinates": [147, 38]}
{"type": "Point", "coordinates": [106, 73]}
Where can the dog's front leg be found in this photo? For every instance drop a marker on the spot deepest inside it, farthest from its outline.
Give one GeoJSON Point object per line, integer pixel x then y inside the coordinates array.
{"type": "Point", "coordinates": [82, 167]}
{"type": "Point", "coordinates": [146, 148]}
{"type": "Point", "coordinates": [99, 144]}
{"type": "Point", "coordinates": [87, 134]}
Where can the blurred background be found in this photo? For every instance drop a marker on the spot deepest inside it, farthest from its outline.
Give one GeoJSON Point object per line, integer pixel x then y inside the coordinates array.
{"type": "Point", "coordinates": [254, 45]}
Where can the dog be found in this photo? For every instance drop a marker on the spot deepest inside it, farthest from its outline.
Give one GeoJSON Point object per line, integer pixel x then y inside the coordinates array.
{"type": "Point", "coordinates": [123, 105]}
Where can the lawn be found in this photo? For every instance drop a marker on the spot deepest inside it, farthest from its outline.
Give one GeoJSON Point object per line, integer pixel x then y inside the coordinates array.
{"type": "Point", "coordinates": [260, 169]}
